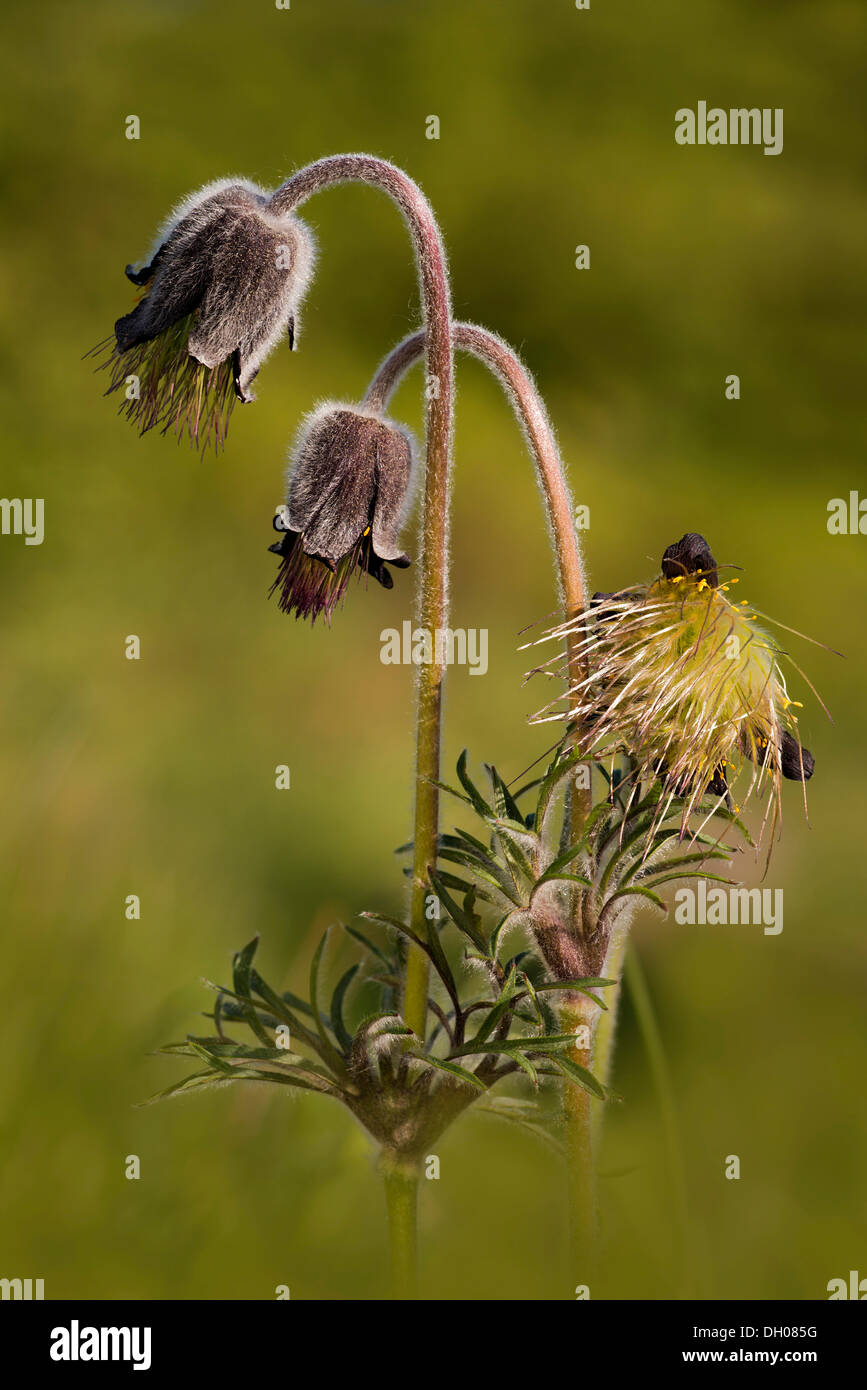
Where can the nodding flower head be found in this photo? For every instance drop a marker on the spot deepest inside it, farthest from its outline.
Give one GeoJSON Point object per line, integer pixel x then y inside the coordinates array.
{"type": "Point", "coordinates": [349, 490]}
{"type": "Point", "coordinates": [682, 680]}
{"type": "Point", "coordinates": [225, 282]}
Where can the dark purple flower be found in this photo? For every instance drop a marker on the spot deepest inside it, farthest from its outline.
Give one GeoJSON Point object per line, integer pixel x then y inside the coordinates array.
{"type": "Point", "coordinates": [224, 284]}
{"type": "Point", "coordinates": [690, 555]}
{"type": "Point", "coordinates": [349, 489]}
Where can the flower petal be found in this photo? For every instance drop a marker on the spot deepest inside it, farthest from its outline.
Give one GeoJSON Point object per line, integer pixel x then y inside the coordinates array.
{"type": "Point", "coordinates": [257, 276]}
{"type": "Point", "coordinates": [332, 492]}
{"type": "Point", "coordinates": [179, 271]}
{"type": "Point", "coordinates": [690, 555]}
{"type": "Point", "coordinates": [798, 763]}
{"type": "Point", "coordinates": [394, 463]}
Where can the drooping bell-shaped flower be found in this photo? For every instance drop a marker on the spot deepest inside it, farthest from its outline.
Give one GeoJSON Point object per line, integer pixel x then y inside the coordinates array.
{"type": "Point", "coordinates": [686, 683]}
{"type": "Point", "coordinates": [224, 284]}
{"type": "Point", "coordinates": [349, 489]}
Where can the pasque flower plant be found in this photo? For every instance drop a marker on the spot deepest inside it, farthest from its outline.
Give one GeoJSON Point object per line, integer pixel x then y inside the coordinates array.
{"type": "Point", "coordinates": [662, 698]}
{"type": "Point", "coordinates": [653, 708]}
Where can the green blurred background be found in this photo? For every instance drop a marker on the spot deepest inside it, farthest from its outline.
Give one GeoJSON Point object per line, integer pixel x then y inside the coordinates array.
{"type": "Point", "coordinates": [157, 777]}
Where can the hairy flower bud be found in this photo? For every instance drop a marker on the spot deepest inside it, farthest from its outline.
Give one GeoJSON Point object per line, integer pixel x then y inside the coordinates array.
{"type": "Point", "coordinates": [690, 555]}
{"type": "Point", "coordinates": [797, 762]}
{"type": "Point", "coordinates": [349, 489]}
{"type": "Point", "coordinates": [224, 284]}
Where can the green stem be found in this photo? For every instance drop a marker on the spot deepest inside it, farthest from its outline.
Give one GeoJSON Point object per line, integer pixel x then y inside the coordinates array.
{"type": "Point", "coordinates": [401, 1199]}
{"type": "Point", "coordinates": [606, 1027]}
{"type": "Point", "coordinates": [584, 1116]}
{"type": "Point", "coordinates": [651, 1037]}
{"type": "Point", "coordinates": [579, 1114]}
{"type": "Point", "coordinates": [432, 601]}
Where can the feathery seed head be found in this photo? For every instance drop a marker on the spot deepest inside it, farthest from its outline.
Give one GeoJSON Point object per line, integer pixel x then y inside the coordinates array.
{"type": "Point", "coordinates": [682, 679]}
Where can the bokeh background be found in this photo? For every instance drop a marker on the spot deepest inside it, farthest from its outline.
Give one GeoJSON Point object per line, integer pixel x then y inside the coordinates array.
{"type": "Point", "coordinates": [156, 777]}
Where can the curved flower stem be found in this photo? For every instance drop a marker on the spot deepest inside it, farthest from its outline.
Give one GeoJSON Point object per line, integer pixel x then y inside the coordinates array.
{"type": "Point", "coordinates": [516, 380]}
{"type": "Point", "coordinates": [514, 377]}
{"type": "Point", "coordinates": [401, 1199]}
{"type": "Point", "coordinates": [578, 1107]}
{"type": "Point", "coordinates": [433, 579]}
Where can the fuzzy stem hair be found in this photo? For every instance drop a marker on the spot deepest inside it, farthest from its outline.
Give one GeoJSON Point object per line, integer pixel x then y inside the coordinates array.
{"type": "Point", "coordinates": [505, 364]}
{"type": "Point", "coordinates": [433, 569]}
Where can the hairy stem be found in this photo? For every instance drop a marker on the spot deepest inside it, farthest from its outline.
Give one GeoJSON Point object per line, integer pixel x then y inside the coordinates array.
{"type": "Point", "coordinates": [401, 1200]}
{"type": "Point", "coordinates": [579, 1112]}
{"type": "Point", "coordinates": [432, 613]}
{"type": "Point", "coordinates": [510, 371]}
{"type": "Point", "coordinates": [606, 1027]}
{"type": "Point", "coordinates": [507, 367]}
{"type": "Point", "coordinates": [654, 1048]}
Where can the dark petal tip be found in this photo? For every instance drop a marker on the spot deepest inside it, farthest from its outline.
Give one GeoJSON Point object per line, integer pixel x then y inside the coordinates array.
{"type": "Point", "coordinates": [244, 396]}
{"type": "Point", "coordinates": [139, 277]}
{"type": "Point", "coordinates": [798, 763]}
{"type": "Point", "coordinates": [690, 555]}
{"type": "Point", "coordinates": [127, 332]}
{"type": "Point", "coordinates": [375, 567]}
{"type": "Point", "coordinates": [284, 545]}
